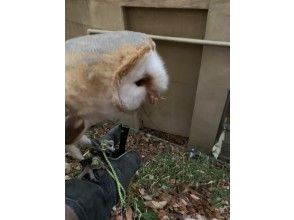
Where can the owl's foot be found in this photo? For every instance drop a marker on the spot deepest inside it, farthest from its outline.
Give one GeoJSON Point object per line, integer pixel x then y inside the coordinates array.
{"type": "Point", "coordinates": [88, 171]}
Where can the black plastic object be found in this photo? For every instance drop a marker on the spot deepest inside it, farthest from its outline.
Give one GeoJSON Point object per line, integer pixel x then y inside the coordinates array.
{"type": "Point", "coordinates": [115, 135]}
{"type": "Point", "coordinates": [123, 140]}
{"type": "Point", "coordinates": [119, 135]}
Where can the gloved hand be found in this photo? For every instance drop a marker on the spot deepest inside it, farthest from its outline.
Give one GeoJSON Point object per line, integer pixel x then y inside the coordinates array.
{"type": "Point", "coordinates": [88, 200]}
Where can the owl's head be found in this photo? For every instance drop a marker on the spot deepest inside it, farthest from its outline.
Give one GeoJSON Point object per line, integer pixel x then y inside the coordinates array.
{"type": "Point", "coordinates": [146, 80]}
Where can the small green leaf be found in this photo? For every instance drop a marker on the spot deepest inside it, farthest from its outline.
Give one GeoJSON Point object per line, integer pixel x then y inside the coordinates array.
{"type": "Point", "coordinates": [149, 216]}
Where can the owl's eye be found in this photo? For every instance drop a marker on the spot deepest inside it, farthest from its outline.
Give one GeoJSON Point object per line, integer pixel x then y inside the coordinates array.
{"type": "Point", "coordinates": [139, 82]}
{"type": "Point", "coordinates": [144, 81]}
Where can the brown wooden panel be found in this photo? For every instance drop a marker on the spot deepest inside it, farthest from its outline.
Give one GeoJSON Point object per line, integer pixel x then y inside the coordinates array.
{"type": "Point", "coordinates": [182, 60]}
{"type": "Point", "coordinates": [213, 87]}
{"type": "Point", "coordinates": [74, 29]}
{"type": "Point", "coordinates": [172, 115]}
{"type": "Point", "coordinates": [166, 21]}
{"type": "Point", "coordinates": [198, 4]}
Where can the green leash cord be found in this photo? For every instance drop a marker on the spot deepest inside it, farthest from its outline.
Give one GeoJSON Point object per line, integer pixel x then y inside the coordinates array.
{"type": "Point", "coordinates": [112, 173]}
{"type": "Point", "coordinates": [120, 189]}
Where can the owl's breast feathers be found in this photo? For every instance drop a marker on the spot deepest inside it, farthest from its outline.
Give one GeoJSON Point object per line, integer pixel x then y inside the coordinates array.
{"type": "Point", "coordinates": [95, 64]}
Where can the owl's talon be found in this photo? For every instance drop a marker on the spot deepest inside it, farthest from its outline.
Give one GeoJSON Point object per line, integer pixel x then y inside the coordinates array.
{"type": "Point", "coordinates": [89, 171]}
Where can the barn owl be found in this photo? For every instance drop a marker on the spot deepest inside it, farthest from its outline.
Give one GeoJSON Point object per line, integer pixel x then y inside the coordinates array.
{"type": "Point", "coordinates": [106, 75]}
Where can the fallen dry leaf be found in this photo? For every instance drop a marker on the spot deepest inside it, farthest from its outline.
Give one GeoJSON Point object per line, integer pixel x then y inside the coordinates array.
{"type": "Point", "coordinates": [200, 217]}
{"type": "Point", "coordinates": [165, 197]}
{"type": "Point", "coordinates": [184, 202]}
{"type": "Point", "coordinates": [176, 205]}
{"type": "Point", "coordinates": [147, 197]}
{"type": "Point", "coordinates": [142, 191]}
{"type": "Point", "coordinates": [129, 214]}
{"type": "Point", "coordinates": [194, 197]}
{"type": "Point", "coordinates": [161, 214]}
{"type": "Point", "coordinates": [182, 210]}
{"type": "Point", "coordinates": [155, 204]}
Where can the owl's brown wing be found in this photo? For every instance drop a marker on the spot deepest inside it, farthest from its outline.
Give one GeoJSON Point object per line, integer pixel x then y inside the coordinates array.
{"type": "Point", "coordinates": [74, 127]}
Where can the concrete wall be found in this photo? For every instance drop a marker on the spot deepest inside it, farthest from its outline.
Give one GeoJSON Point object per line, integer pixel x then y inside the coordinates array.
{"type": "Point", "coordinates": [199, 74]}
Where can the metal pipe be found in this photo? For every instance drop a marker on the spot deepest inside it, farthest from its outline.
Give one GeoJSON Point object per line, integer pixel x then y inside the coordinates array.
{"type": "Point", "coordinates": [174, 39]}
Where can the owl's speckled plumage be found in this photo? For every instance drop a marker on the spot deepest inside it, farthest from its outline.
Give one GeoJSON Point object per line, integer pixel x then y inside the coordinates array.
{"type": "Point", "coordinates": [110, 73]}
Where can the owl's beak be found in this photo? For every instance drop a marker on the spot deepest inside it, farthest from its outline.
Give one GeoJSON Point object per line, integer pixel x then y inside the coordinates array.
{"type": "Point", "coordinates": [153, 97]}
